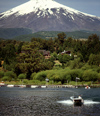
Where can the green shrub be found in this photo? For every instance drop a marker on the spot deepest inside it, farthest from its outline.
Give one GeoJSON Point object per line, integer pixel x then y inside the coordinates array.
{"type": "Point", "coordinates": [41, 76]}
{"type": "Point", "coordinates": [25, 81]}
{"type": "Point", "coordinates": [59, 83]}
{"type": "Point", "coordinates": [99, 77]}
{"type": "Point", "coordinates": [36, 82]}
{"type": "Point", "coordinates": [11, 75]}
{"type": "Point", "coordinates": [22, 76]}
{"type": "Point", "coordinates": [86, 67]}
{"type": "Point", "coordinates": [1, 74]}
{"type": "Point", "coordinates": [5, 78]}
{"type": "Point", "coordinates": [90, 75]}
{"type": "Point", "coordinates": [33, 75]}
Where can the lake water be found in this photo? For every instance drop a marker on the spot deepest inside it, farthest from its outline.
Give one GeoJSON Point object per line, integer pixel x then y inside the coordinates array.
{"type": "Point", "coordinates": [48, 102]}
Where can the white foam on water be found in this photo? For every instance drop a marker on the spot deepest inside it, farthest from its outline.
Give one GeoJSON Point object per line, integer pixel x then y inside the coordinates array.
{"type": "Point", "coordinates": [86, 102]}
{"type": "Point", "coordinates": [67, 102]}
{"type": "Point", "coordinates": [90, 102]}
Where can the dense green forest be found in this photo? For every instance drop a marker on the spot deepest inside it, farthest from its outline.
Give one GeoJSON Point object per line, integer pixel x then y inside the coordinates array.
{"type": "Point", "coordinates": [23, 60]}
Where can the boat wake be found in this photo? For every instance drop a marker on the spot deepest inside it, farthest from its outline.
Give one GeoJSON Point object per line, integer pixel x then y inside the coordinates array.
{"type": "Point", "coordinates": [90, 102]}
{"type": "Point", "coordinates": [66, 102]}
{"type": "Point", "coordinates": [86, 102]}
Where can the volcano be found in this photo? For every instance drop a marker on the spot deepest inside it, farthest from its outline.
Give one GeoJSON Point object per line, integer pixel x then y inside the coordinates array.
{"type": "Point", "coordinates": [48, 15]}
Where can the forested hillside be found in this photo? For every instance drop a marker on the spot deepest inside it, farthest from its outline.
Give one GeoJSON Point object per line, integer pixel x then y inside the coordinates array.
{"type": "Point", "coordinates": [36, 60]}
{"type": "Point", "coordinates": [9, 33]}
{"type": "Point", "coordinates": [23, 34]}
{"type": "Point", "coordinates": [52, 34]}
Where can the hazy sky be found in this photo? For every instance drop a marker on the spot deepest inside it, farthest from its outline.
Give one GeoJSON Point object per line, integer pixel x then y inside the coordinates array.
{"type": "Point", "coordinates": [86, 6]}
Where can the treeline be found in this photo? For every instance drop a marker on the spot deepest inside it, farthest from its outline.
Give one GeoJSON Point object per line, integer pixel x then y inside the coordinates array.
{"type": "Point", "coordinates": [22, 60]}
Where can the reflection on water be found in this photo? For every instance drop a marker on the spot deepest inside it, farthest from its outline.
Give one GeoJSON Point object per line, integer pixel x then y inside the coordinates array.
{"type": "Point", "coordinates": [47, 102]}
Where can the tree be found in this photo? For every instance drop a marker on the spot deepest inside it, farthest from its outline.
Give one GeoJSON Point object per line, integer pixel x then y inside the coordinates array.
{"type": "Point", "coordinates": [19, 47]}
{"type": "Point", "coordinates": [60, 58]}
{"type": "Point", "coordinates": [50, 44]}
{"type": "Point", "coordinates": [54, 54]}
{"type": "Point", "coordinates": [93, 39]}
{"type": "Point", "coordinates": [78, 46]}
{"type": "Point", "coordinates": [94, 59]}
{"type": "Point", "coordinates": [68, 42]}
{"type": "Point", "coordinates": [10, 51]}
{"type": "Point", "coordinates": [31, 60]}
{"type": "Point", "coordinates": [0, 64]}
{"type": "Point", "coordinates": [76, 64]}
{"type": "Point", "coordinates": [66, 58]}
{"type": "Point", "coordinates": [84, 52]}
{"type": "Point", "coordinates": [93, 44]}
{"type": "Point", "coordinates": [6, 60]}
{"type": "Point", "coordinates": [61, 37]}
{"type": "Point", "coordinates": [63, 58]}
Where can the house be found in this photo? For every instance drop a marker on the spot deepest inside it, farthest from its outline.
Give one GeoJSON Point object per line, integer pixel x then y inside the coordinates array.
{"type": "Point", "coordinates": [66, 52]}
{"type": "Point", "coordinates": [45, 53]}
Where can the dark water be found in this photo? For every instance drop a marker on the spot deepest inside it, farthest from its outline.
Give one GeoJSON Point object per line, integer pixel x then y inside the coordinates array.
{"type": "Point", "coordinates": [48, 102]}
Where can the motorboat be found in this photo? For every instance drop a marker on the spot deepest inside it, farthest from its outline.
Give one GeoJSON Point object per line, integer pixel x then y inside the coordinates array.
{"type": "Point", "coordinates": [87, 87]}
{"type": "Point", "coordinates": [22, 86]}
{"type": "Point", "coordinates": [10, 86]}
{"type": "Point", "coordinates": [2, 84]}
{"type": "Point", "coordinates": [44, 86]}
{"type": "Point", "coordinates": [77, 101]}
{"type": "Point", "coordinates": [34, 86]}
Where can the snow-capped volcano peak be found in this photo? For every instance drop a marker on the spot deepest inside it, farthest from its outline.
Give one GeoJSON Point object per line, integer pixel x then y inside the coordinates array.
{"type": "Point", "coordinates": [48, 15]}
{"type": "Point", "coordinates": [35, 5]}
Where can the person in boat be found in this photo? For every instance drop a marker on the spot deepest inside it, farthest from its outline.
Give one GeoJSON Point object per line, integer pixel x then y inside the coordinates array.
{"type": "Point", "coordinates": [79, 97]}
{"type": "Point", "coordinates": [87, 87]}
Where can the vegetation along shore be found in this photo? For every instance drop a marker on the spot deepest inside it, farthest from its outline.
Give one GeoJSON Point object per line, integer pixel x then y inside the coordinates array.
{"type": "Point", "coordinates": [59, 59]}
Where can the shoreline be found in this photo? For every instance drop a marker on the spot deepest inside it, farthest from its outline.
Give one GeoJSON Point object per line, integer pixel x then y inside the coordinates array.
{"type": "Point", "coordinates": [49, 86]}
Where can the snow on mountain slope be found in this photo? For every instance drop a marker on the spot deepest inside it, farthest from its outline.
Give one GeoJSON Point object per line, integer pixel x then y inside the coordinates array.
{"type": "Point", "coordinates": [48, 15]}
{"type": "Point", "coordinates": [34, 5]}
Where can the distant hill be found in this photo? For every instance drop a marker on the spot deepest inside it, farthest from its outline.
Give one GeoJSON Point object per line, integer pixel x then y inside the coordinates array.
{"type": "Point", "coordinates": [42, 34]}
{"type": "Point", "coordinates": [81, 34]}
{"type": "Point", "coordinates": [23, 34]}
{"type": "Point", "coordinates": [53, 34]}
{"type": "Point", "coordinates": [8, 33]}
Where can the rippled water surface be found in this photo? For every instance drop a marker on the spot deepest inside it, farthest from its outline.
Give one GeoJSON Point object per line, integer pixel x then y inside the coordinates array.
{"type": "Point", "coordinates": [48, 102]}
